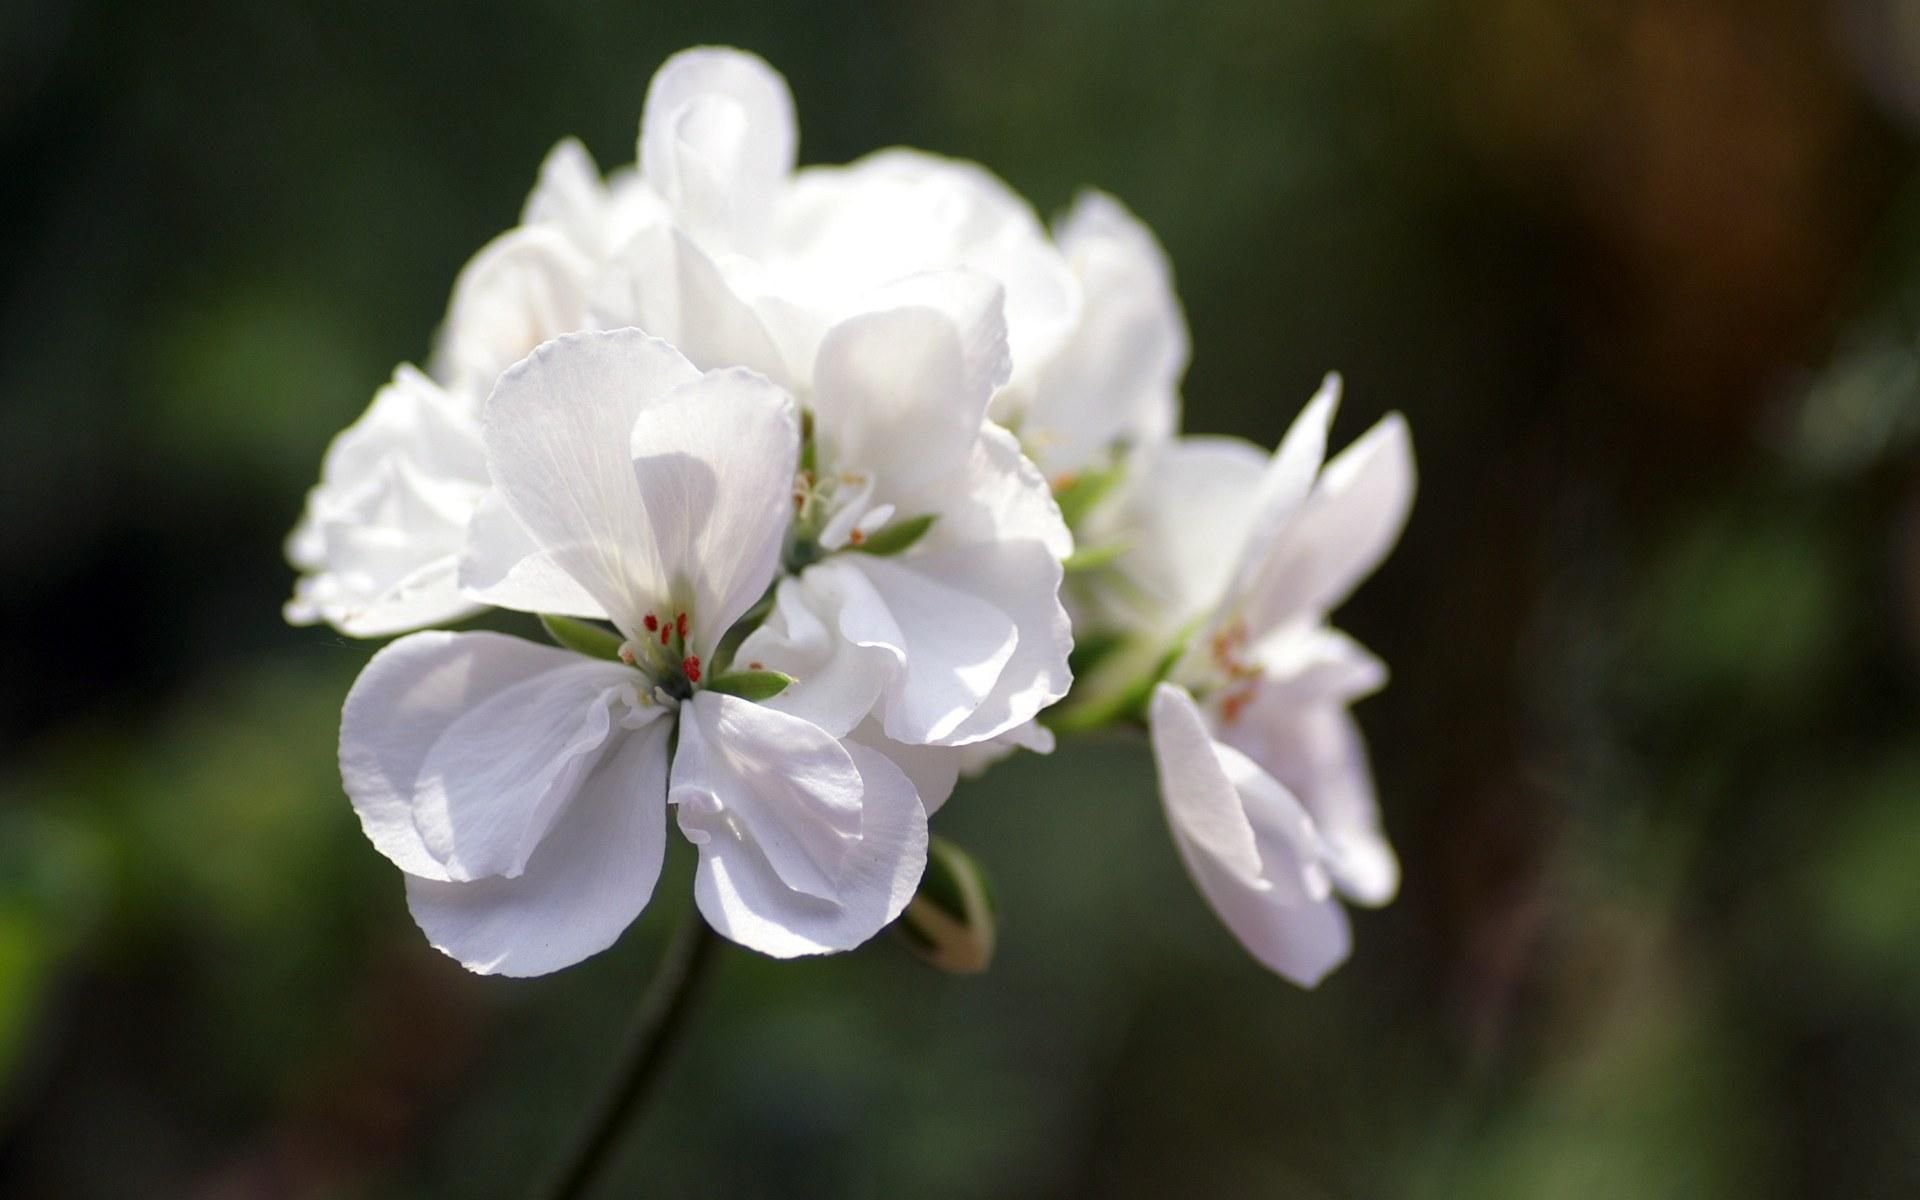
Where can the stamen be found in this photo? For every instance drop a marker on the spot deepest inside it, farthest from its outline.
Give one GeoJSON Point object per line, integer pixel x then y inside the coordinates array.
{"type": "Point", "coordinates": [665, 633]}
{"type": "Point", "coordinates": [629, 653]}
{"type": "Point", "coordinates": [1234, 703]}
{"type": "Point", "coordinates": [756, 666]}
{"type": "Point", "coordinates": [691, 666]}
{"type": "Point", "coordinates": [680, 625]}
{"type": "Point", "coordinates": [651, 622]}
{"type": "Point", "coordinates": [857, 536]}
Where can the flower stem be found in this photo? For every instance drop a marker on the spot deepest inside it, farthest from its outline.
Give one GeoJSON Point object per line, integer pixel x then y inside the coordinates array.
{"type": "Point", "coordinates": [656, 1029]}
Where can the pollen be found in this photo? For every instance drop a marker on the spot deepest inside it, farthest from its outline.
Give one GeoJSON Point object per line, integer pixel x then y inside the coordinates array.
{"type": "Point", "coordinates": [651, 622]}
{"type": "Point", "coordinates": [665, 633]}
{"type": "Point", "coordinates": [857, 537]}
{"type": "Point", "coordinates": [1234, 703]}
{"type": "Point", "coordinates": [756, 666]}
{"type": "Point", "coordinates": [680, 625]}
{"type": "Point", "coordinates": [690, 666]}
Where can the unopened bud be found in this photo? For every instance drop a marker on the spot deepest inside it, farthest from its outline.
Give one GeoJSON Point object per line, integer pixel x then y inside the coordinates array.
{"type": "Point", "coordinates": [950, 921]}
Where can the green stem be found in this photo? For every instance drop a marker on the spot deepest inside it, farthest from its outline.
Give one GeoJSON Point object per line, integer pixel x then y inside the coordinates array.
{"type": "Point", "coordinates": [656, 1029]}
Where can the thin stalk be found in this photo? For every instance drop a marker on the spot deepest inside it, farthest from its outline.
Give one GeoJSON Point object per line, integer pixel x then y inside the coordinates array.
{"type": "Point", "coordinates": [657, 1026]}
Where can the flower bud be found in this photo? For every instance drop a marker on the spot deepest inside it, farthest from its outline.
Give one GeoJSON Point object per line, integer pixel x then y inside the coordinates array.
{"type": "Point", "coordinates": [950, 922]}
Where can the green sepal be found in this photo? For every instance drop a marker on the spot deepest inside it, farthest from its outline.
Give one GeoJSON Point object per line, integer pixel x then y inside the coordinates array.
{"type": "Point", "coordinates": [951, 922]}
{"type": "Point", "coordinates": [582, 637]}
{"type": "Point", "coordinates": [1093, 557]}
{"type": "Point", "coordinates": [750, 685]}
{"type": "Point", "coordinates": [1119, 685]}
{"type": "Point", "coordinates": [897, 536]}
{"type": "Point", "coordinates": [1086, 490]}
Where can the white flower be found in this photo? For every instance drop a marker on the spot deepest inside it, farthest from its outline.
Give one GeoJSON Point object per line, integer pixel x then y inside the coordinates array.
{"type": "Point", "coordinates": [381, 536]}
{"type": "Point", "coordinates": [926, 549]}
{"type": "Point", "coordinates": [380, 541]}
{"type": "Point", "coordinates": [523, 788]}
{"type": "Point", "coordinates": [760, 259]}
{"type": "Point", "coordinates": [1262, 770]}
{"type": "Point", "coordinates": [1113, 385]}
{"type": "Point", "coordinates": [597, 216]}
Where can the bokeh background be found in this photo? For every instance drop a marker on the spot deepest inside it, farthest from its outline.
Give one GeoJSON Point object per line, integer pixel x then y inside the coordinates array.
{"type": "Point", "coordinates": [1645, 277]}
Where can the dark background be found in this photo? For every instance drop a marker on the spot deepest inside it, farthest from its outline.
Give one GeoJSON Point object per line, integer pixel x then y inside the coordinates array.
{"type": "Point", "coordinates": [1643, 276]}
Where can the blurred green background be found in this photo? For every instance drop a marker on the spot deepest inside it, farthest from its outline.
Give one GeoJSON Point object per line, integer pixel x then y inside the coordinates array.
{"type": "Point", "coordinates": [1645, 277]}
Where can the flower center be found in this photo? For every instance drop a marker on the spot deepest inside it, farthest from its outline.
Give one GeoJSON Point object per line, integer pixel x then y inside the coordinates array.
{"type": "Point", "coordinates": [1239, 675]}
{"type": "Point", "coordinates": [661, 654]}
{"type": "Point", "coordinates": [831, 512]}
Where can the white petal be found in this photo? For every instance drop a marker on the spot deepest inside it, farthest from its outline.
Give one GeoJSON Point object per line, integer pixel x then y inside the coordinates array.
{"type": "Point", "coordinates": [526, 286]}
{"type": "Point", "coordinates": [745, 771]}
{"type": "Point", "coordinates": [718, 138]}
{"type": "Point", "coordinates": [1318, 664]}
{"type": "Point", "coordinates": [1116, 379]}
{"type": "Point", "coordinates": [1298, 458]}
{"type": "Point", "coordinates": [976, 304]}
{"type": "Point", "coordinates": [715, 467]}
{"type": "Point", "coordinates": [1247, 845]}
{"type": "Point", "coordinates": [902, 392]}
{"type": "Point", "coordinates": [955, 646]}
{"type": "Point", "coordinates": [590, 877]}
{"type": "Point", "coordinates": [597, 218]}
{"type": "Point", "coordinates": [997, 495]}
{"type": "Point", "coordinates": [403, 703]}
{"type": "Point", "coordinates": [666, 285]}
{"type": "Point", "coordinates": [383, 528]}
{"type": "Point", "coordinates": [1181, 515]}
{"type": "Point", "coordinates": [747, 900]}
{"type": "Point", "coordinates": [1020, 579]}
{"type": "Point", "coordinates": [492, 783]}
{"type": "Point", "coordinates": [832, 633]}
{"type": "Point", "coordinates": [976, 757]}
{"type": "Point", "coordinates": [558, 431]}
{"type": "Point", "coordinates": [504, 567]}
{"type": "Point", "coordinates": [1318, 754]}
{"type": "Point", "coordinates": [568, 194]}
{"type": "Point", "coordinates": [848, 230]}
{"type": "Point", "coordinates": [1340, 533]}
{"type": "Point", "coordinates": [933, 770]}
{"type": "Point", "coordinates": [1201, 802]}
{"type": "Point", "coordinates": [1286, 485]}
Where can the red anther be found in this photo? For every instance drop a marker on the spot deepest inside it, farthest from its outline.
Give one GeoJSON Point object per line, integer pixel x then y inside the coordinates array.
{"type": "Point", "coordinates": [1234, 703]}
{"type": "Point", "coordinates": [651, 622]}
{"type": "Point", "coordinates": [856, 537]}
{"type": "Point", "coordinates": [680, 624]}
{"type": "Point", "coordinates": [691, 666]}
{"type": "Point", "coordinates": [665, 633]}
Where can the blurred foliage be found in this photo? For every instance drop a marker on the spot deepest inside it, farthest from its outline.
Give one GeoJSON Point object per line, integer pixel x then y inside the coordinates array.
{"type": "Point", "coordinates": [1645, 278]}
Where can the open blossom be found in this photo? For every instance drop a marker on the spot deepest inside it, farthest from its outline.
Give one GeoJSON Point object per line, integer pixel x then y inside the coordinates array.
{"type": "Point", "coordinates": [761, 259]}
{"type": "Point", "coordinates": [1113, 385]}
{"type": "Point", "coordinates": [797, 433]}
{"type": "Point", "coordinates": [926, 550]}
{"type": "Point", "coordinates": [1262, 770]}
{"type": "Point", "coordinates": [524, 789]}
{"type": "Point", "coordinates": [383, 531]}
{"type": "Point", "coordinates": [380, 541]}
{"type": "Point", "coordinates": [713, 242]}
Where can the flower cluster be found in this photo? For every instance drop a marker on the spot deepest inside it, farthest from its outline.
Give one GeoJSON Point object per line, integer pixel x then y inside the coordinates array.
{"type": "Point", "coordinates": [813, 475]}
